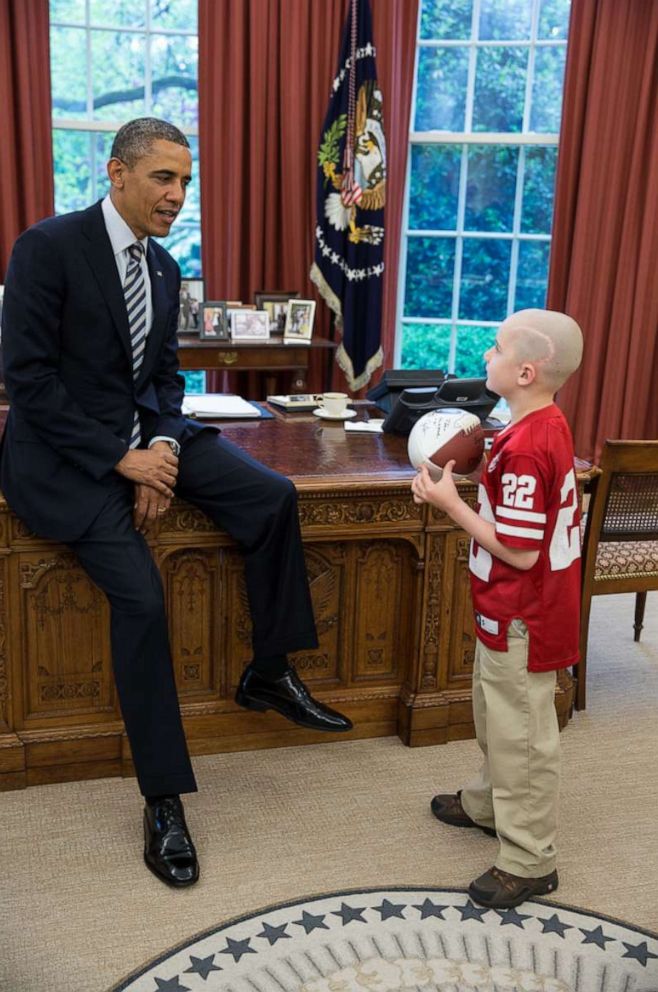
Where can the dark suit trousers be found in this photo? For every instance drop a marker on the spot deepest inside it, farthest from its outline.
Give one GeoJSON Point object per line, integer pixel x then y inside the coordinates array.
{"type": "Point", "coordinates": [258, 508]}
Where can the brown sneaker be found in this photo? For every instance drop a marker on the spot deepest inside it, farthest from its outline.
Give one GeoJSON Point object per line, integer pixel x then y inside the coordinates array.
{"type": "Point", "coordinates": [501, 890]}
{"type": "Point", "coordinates": [449, 809]}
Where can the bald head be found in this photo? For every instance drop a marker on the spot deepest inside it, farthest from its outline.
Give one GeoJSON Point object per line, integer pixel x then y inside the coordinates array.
{"type": "Point", "coordinates": [552, 341]}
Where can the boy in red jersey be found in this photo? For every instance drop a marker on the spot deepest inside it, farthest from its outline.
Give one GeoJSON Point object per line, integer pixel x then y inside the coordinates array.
{"type": "Point", "coordinates": [525, 582]}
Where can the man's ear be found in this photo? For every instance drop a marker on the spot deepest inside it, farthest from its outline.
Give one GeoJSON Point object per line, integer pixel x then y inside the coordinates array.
{"type": "Point", "coordinates": [116, 170]}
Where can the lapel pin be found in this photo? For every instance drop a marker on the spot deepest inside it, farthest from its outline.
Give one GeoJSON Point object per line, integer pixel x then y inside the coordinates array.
{"type": "Point", "coordinates": [158, 273]}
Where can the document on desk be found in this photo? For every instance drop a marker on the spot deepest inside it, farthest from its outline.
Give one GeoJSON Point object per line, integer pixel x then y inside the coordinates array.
{"type": "Point", "coordinates": [216, 406]}
{"type": "Point", "coordinates": [364, 426]}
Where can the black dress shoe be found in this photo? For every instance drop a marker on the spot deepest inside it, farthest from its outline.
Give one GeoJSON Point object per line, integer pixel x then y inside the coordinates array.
{"type": "Point", "coordinates": [168, 848]}
{"type": "Point", "coordinates": [288, 696]}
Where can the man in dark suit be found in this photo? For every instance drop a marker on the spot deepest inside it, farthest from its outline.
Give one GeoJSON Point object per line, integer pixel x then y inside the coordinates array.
{"type": "Point", "coordinates": [95, 447]}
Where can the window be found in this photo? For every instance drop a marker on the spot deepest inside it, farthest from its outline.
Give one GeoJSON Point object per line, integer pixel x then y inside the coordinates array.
{"type": "Point", "coordinates": [111, 62]}
{"type": "Point", "coordinates": [479, 201]}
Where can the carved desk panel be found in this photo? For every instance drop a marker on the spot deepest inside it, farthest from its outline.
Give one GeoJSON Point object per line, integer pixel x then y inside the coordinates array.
{"type": "Point", "coordinates": [390, 591]}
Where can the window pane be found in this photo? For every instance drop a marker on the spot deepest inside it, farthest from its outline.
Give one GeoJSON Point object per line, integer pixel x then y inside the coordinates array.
{"type": "Point", "coordinates": [175, 57]}
{"type": "Point", "coordinates": [174, 14]}
{"type": "Point", "coordinates": [450, 21]}
{"type": "Point", "coordinates": [119, 13]}
{"type": "Point", "coordinates": [546, 108]}
{"type": "Point", "coordinates": [100, 149]}
{"type": "Point", "coordinates": [425, 346]}
{"type": "Point", "coordinates": [195, 382]}
{"type": "Point", "coordinates": [117, 75]}
{"type": "Point", "coordinates": [184, 242]}
{"type": "Point", "coordinates": [434, 187]}
{"type": "Point", "coordinates": [441, 91]}
{"type": "Point", "coordinates": [490, 187]}
{"type": "Point", "coordinates": [67, 10]}
{"type": "Point", "coordinates": [554, 19]}
{"type": "Point", "coordinates": [72, 159]}
{"type": "Point", "coordinates": [68, 72]}
{"type": "Point", "coordinates": [485, 274]}
{"type": "Point", "coordinates": [505, 19]}
{"type": "Point", "coordinates": [538, 186]}
{"type": "Point", "coordinates": [532, 275]}
{"type": "Point", "coordinates": [500, 88]}
{"type": "Point", "coordinates": [430, 269]}
{"type": "Point", "coordinates": [472, 342]}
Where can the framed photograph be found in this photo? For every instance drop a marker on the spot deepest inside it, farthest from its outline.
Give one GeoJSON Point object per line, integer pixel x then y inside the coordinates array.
{"type": "Point", "coordinates": [275, 304]}
{"type": "Point", "coordinates": [214, 321]}
{"type": "Point", "coordinates": [299, 320]}
{"type": "Point", "coordinates": [191, 301]}
{"type": "Point", "coordinates": [250, 325]}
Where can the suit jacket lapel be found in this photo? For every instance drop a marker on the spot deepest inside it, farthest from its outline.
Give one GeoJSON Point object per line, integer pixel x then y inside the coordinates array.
{"type": "Point", "coordinates": [98, 250]}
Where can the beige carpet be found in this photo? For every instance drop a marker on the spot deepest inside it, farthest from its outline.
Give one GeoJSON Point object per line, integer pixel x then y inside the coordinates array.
{"type": "Point", "coordinates": [78, 911]}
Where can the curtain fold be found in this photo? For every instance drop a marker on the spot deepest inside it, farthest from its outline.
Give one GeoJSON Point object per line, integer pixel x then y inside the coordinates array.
{"type": "Point", "coordinates": [604, 258]}
{"type": "Point", "coordinates": [26, 159]}
{"type": "Point", "coordinates": [265, 69]}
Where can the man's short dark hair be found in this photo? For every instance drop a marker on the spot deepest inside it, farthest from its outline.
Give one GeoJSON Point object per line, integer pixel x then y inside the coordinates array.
{"type": "Point", "coordinates": [135, 139]}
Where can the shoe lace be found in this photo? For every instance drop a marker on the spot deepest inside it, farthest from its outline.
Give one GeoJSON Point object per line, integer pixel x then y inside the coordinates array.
{"type": "Point", "coordinates": [169, 813]}
{"type": "Point", "coordinates": [507, 881]}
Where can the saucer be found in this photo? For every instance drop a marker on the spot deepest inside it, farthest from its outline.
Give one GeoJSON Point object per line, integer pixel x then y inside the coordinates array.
{"type": "Point", "coordinates": [345, 415]}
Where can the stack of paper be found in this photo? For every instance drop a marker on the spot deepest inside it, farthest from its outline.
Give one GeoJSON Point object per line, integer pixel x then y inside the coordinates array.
{"type": "Point", "coordinates": [364, 426]}
{"type": "Point", "coordinates": [216, 406]}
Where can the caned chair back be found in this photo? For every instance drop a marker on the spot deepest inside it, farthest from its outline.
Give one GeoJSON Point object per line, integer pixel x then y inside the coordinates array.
{"type": "Point", "coordinates": [620, 549]}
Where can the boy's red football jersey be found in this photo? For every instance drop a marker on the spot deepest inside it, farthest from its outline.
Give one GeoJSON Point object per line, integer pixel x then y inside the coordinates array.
{"type": "Point", "coordinates": [528, 490]}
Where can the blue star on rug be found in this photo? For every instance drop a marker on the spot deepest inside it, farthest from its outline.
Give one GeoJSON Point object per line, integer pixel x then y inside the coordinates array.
{"type": "Point", "coordinates": [387, 910]}
{"type": "Point", "coordinates": [640, 952]}
{"type": "Point", "coordinates": [272, 934]}
{"type": "Point", "coordinates": [429, 908]}
{"type": "Point", "coordinates": [311, 922]}
{"type": "Point", "coordinates": [350, 914]}
{"type": "Point", "coordinates": [202, 966]}
{"type": "Point", "coordinates": [237, 948]}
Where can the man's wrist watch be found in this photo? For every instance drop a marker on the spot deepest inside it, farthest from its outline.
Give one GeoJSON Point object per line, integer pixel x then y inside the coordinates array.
{"type": "Point", "coordinates": [172, 442]}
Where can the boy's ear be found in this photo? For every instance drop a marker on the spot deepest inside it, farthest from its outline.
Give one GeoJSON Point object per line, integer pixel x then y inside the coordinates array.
{"type": "Point", "coordinates": [527, 374]}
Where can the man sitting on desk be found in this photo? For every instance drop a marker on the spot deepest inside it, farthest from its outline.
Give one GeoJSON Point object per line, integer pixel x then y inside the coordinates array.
{"type": "Point", "coordinates": [96, 446]}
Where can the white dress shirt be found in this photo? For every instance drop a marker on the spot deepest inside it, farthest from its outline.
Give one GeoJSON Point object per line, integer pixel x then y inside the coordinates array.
{"type": "Point", "coordinates": [121, 238]}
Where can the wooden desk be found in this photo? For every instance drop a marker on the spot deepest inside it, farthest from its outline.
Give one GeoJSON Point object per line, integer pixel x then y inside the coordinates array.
{"type": "Point", "coordinates": [390, 592]}
{"type": "Point", "coordinates": [271, 357]}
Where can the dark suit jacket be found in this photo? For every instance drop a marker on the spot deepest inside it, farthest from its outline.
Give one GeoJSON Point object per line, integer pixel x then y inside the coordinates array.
{"type": "Point", "coordinates": [68, 371]}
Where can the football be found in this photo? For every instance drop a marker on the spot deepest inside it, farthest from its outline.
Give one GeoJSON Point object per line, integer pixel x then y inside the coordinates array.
{"type": "Point", "coordinates": [442, 435]}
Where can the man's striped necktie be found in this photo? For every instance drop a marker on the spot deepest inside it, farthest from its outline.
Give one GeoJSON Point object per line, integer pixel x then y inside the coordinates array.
{"type": "Point", "coordinates": [134, 291]}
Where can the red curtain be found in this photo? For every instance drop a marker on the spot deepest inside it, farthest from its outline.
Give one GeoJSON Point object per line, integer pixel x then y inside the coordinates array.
{"type": "Point", "coordinates": [265, 68]}
{"type": "Point", "coordinates": [26, 160]}
{"type": "Point", "coordinates": [604, 261]}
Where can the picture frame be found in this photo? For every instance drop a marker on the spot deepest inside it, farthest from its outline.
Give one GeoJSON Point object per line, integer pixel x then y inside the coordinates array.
{"type": "Point", "coordinates": [214, 321]}
{"type": "Point", "coordinates": [250, 325]}
{"type": "Point", "coordinates": [189, 308]}
{"type": "Point", "coordinates": [275, 303]}
{"type": "Point", "coordinates": [299, 320]}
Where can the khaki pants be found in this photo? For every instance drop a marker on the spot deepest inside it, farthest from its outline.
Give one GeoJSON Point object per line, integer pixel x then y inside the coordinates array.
{"type": "Point", "coordinates": [516, 791]}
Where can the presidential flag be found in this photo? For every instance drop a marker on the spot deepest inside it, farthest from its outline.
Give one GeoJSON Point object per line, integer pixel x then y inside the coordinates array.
{"type": "Point", "coordinates": [351, 193]}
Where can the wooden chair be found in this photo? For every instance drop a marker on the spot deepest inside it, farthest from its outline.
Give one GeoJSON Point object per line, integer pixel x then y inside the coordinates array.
{"type": "Point", "coordinates": [620, 548]}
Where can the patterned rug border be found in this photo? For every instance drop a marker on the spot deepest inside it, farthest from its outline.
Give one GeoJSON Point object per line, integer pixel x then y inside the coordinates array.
{"type": "Point", "coordinates": [289, 903]}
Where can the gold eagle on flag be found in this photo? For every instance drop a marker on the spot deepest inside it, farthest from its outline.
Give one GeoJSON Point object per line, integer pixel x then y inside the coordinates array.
{"type": "Point", "coordinates": [362, 187]}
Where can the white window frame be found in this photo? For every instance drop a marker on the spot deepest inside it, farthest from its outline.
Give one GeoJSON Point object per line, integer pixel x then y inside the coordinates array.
{"type": "Point", "coordinates": [522, 139]}
{"type": "Point", "coordinates": [87, 123]}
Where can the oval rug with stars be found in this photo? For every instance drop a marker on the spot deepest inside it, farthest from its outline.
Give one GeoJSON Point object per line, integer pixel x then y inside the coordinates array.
{"type": "Point", "coordinates": [408, 940]}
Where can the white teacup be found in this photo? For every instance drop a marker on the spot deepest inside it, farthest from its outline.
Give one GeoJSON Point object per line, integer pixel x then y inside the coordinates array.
{"type": "Point", "coordinates": [334, 404]}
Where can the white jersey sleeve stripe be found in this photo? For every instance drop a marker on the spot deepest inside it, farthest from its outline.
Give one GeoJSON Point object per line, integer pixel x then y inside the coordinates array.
{"type": "Point", "coordinates": [537, 535]}
{"type": "Point", "coordinates": [528, 515]}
